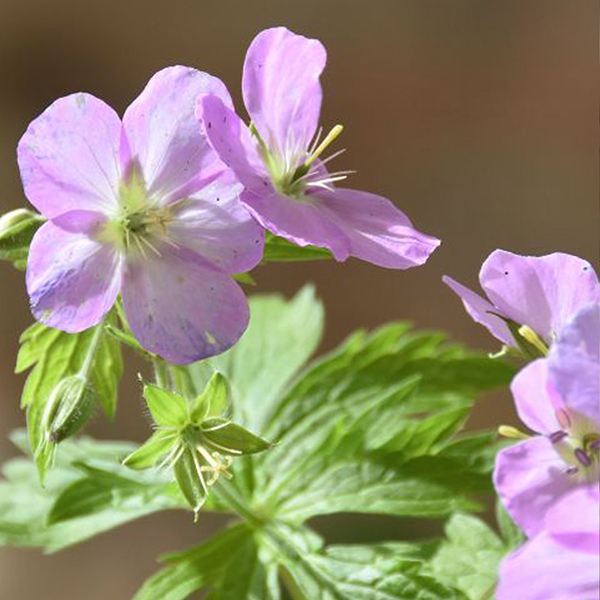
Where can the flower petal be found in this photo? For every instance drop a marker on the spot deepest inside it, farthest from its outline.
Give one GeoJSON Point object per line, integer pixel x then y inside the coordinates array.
{"type": "Point", "coordinates": [378, 231]}
{"type": "Point", "coordinates": [281, 87]}
{"type": "Point", "coordinates": [481, 311]}
{"type": "Point", "coordinates": [574, 521]}
{"type": "Point", "coordinates": [544, 570]}
{"type": "Point", "coordinates": [233, 142]}
{"type": "Point", "coordinates": [303, 222]}
{"type": "Point", "coordinates": [216, 225]}
{"type": "Point", "coordinates": [72, 279]}
{"type": "Point", "coordinates": [181, 307]}
{"type": "Point", "coordinates": [69, 156]}
{"type": "Point", "coordinates": [163, 133]}
{"type": "Point", "coordinates": [575, 363]}
{"type": "Point", "coordinates": [529, 477]}
{"type": "Point", "coordinates": [542, 292]}
{"type": "Point", "coordinates": [535, 402]}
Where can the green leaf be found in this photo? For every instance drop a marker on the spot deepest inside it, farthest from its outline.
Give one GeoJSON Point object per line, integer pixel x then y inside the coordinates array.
{"type": "Point", "coordinates": [231, 438]}
{"type": "Point", "coordinates": [213, 401]}
{"type": "Point", "coordinates": [469, 558]}
{"type": "Point", "coordinates": [511, 534]}
{"type": "Point", "coordinates": [25, 506]}
{"type": "Point", "coordinates": [53, 355]}
{"type": "Point", "coordinates": [148, 454]}
{"type": "Point", "coordinates": [278, 249]}
{"type": "Point", "coordinates": [280, 338]}
{"type": "Point", "coordinates": [17, 229]}
{"type": "Point", "coordinates": [167, 409]}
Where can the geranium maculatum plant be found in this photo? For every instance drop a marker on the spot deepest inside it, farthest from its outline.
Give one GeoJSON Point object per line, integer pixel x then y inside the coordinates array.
{"type": "Point", "coordinates": [147, 226]}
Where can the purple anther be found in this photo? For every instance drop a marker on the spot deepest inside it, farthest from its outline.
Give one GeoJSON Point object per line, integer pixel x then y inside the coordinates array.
{"type": "Point", "coordinates": [572, 471]}
{"type": "Point", "coordinates": [583, 457]}
{"type": "Point", "coordinates": [595, 445]}
{"type": "Point", "coordinates": [558, 436]}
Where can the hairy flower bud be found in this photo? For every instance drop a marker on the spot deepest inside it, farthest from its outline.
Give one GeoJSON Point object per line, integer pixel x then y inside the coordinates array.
{"type": "Point", "coordinates": [17, 228]}
{"type": "Point", "coordinates": [71, 404]}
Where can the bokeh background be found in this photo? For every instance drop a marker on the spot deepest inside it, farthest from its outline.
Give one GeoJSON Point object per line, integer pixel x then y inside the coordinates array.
{"type": "Point", "coordinates": [477, 117]}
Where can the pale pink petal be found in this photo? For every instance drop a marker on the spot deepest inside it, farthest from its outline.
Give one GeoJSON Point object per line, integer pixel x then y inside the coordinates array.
{"type": "Point", "coordinates": [233, 142]}
{"type": "Point", "coordinates": [69, 157]}
{"type": "Point", "coordinates": [378, 232]}
{"type": "Point", "coordinates": [281, 87]}
{"type": "Point", "coordinates": [542, 292]}
{"type": "Point", "coordinates": [545, 570]}
{"type": "Point", "coordinates": [216, 225]}
{"type": "Point", "coordinates": [163, 134]}
{"type": "Point", "coordinates": [535, 402]}
{"type": "Point", "coordinates": [181, 308]}
{"type": "Point", "coordinates": [303, 222]}
{"type": "Point", "coordinates": [529, 477]}
{"type": "Point", "coordinates": [72, 279]}
{"type": "Point", "coordinates": [481, 311]}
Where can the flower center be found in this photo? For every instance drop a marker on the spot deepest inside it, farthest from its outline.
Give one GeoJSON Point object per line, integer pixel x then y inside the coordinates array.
{"type": "Point", "coordinates": [294, 170]}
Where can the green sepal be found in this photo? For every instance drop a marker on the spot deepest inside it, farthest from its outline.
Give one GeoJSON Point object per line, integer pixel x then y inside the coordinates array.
{"type": "Point", "coordinates": [190, 482]}
{"type": "Point", "coordinates": [149, 453]}
{"type": "Point", "coordinates": [245, 278]}
{"type": "Point", "coordinates": [528, 350]}
{"type": "Point", "coordinates": [230, 438]}
{"type": "Point", "coordinates": [278, 249]}
{"type": "Point", "coordinates": [213, 401]}
{"type": "Point", "coordinates": [166, 408]}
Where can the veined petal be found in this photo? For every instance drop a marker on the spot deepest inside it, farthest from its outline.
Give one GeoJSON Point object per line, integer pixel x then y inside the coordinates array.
{"type": "Point", "coordinates": [181, 307]}
{"type": "Point", "coordinates": [542, 292]}
{"type": "Point", "coordinates": [72, 279]}
{"type": "Point", "coordinates": [545, 570]}
{"type": "Point", "coordinates": [529, 477]}
{"type": "Point", "coordinates": [232, 140]}
{"type": "Point", "coordinates": [378, 231]}
{"type": "Point", "coordinates": [535, 403]}
{"type": "Point", "coordinates": [69, 156]}
{"type": "Point", "coordinates": [163, 134]}
{"type": "Point", "coordinates": [481, 311]}
{"type": "Point", "coordinates": [303, 222]}
{"type": "Point", "coordinates": [575, 363]}
{"type": "Point", "coordinates": [281, 87]}
{"type": "Point", "coordinates": [216, 225]}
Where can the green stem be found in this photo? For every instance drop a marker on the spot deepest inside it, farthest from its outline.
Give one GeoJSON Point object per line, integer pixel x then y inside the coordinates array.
{"type": "Point", "coordinates": [90, 355]}
{"type": "Point", "coordinates": [229, 496]}
{"type": "Point", "coordinates": [161, 372]}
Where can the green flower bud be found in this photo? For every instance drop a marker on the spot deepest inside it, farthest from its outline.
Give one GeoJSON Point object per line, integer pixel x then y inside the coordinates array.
{"type": "Point", "coordinates": [70, 406]}
{"type": "Point", "coordinates": [17, 228]}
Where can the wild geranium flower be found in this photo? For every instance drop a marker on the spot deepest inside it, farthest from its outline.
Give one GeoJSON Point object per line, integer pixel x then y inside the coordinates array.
{"type": "Point", "coordinates": [559, 398]}
{"type": "Point", "coordinates": [561, 563]}
{"type": "Point", "coordinates": [530, 298]}
{"type": "Point", "coordinates": [142, 207]}
{"type": "Point", "coordinates": [279, 160]}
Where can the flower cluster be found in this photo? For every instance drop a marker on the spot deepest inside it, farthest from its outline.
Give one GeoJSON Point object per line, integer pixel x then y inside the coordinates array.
{"type": "Point", "coordinates": [548, 307]}
{"type": "Point", "coordinates": [163, 206]}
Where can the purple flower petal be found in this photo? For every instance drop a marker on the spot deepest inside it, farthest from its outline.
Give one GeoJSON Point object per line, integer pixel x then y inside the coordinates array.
{"type": "Point", "coordinates": [69, 156]}
{"type": "Point", "coordinates": [163, 134]}
{"type": "Point", "coordinates": [575, 363]}
{"type": "Point", "coordinates": [535, 402]}
{"type": "Point", "coordinates": [233, 142]}
{"type": "Point", "coordinates": [378, 232]}
{"type": "Point", "coordinates": [303, 222]}
{"type": "Point", "coordinates": [481, 311]}
{"type": "Point", "coordinates": [216, 225]}
{"type": "Point", "coordinates": [574, 521]}
{"type": "Point", "coordinates": [281, 87]}
{"type": "Point", "coordinates": [72, 279]}
{"type": "Point", "coordinates": [545, 570]}
{"type": "Point", "coordinates": [542, 292]}
{"type": "Point", "coordinates": [529, 477]}
{"type": "Point", "coordinates": [181, 307]}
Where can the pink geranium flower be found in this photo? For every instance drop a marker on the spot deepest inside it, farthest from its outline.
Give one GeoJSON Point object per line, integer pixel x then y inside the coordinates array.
{"type": "Point", "coordinates": [142, 207]}
{"type": "Point", "coordinates": [559, 398]}
{"type": "Point", "coordinates": [561, 562]}
{"type": "Point", "coordinates": [536, 295]}
{"type": "Point", "coordinates": [279, 161]}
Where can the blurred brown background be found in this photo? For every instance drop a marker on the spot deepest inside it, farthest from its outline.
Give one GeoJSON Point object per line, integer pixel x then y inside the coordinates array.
{"type": "Point", "coordinates": [478, 117]}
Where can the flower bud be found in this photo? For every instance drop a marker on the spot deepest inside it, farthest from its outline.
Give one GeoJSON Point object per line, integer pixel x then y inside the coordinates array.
{"type": "Point", "coordinates": [70, 406]}
{"type": "Point", "coordinates": [17, 228]}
